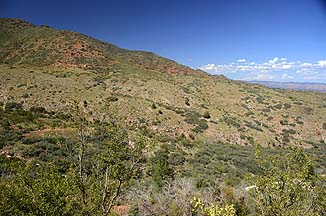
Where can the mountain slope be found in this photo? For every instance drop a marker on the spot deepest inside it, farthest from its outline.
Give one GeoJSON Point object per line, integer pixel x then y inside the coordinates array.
{"type": "Point", "coordinates": [49, 68]}
{"type": "Point", "coordinates": [24, 43]}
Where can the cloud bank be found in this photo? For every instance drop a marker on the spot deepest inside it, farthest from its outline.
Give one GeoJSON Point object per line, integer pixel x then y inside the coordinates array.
{"type": "Point", "coordinates": [276, 69]}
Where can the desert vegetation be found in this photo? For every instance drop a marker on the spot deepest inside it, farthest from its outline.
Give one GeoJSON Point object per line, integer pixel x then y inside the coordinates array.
{"type": "Point", "coordinates": [88, 128]}
{"type": "Point", "coordinates": [97, 168]}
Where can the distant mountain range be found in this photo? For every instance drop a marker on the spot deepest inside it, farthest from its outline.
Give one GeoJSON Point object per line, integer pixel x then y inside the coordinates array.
{"type": "Point", "coordinates": [319, 87]}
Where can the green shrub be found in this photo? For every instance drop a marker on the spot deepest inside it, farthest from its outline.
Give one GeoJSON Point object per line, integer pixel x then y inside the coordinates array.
{"type": "Point", "coordinates": [284, 122]}
{"type": "Point", "coordinates": [112, 99]}
{"type": "Point", "coordinates": [25, 95]}
{"type": "Point", "coordinates": [179, 111]}
{"type": "Point", "coordinates": [289, 131]}
{"type": "Point", "coordinates": [266, 110]}
{"type": "Point", "coordinates": [10, 106]}
{"type": "Point", "coordinates": [287, 106]}
{"type": "Point", "coordinates": [308, 110]}
{"type": "Point", "coordinates": [206, 115]}
{"type": "Point", "coordinates": [231, 121]}
{"type": "Point", "coordinates": [201, 126]}
{"type": "Point", "coordinates": [176, 158]}
{"type": "Point", "coordinates": [160, 167]}
{"type": "Point", "coordinates": [253, 125]}
{"type": "Point", "coordinates": [300, 122]}
{"type": "Point", "coordinates": [9, 137]}
{"type": "Point", "coordinates": [19, 116]}
{"type": "Point", "coordinates": [278, 106]}
{"type": "Point", "coordinates": [288, 185]}
{"type": "Point", "coordinates": [37, 190]}
{"type": "Point", "coordinates": [192, 117]}
{"type": "Point", "coordinates": [38, 109]}
{"type": "Point", "coordinates": [298, 103]}
{"type": "Point", "coordinates": [187, 102]}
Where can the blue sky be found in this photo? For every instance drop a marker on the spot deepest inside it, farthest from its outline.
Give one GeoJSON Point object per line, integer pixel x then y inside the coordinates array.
{"type": "Point", "coordinates": [281, 40]}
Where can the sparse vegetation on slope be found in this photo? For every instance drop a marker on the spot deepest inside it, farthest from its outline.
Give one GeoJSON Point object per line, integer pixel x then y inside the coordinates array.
{"type": "Point", "coordinates": [24, 43]}
{"type": "Point", "coordinates": [90, 128]}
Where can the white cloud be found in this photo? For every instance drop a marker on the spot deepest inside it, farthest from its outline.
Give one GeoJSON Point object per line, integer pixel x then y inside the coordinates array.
{"type": "Point", "coordinates": [322, 63]}
{"type": "Point", "coordinates": [242, 60]}
{"type": "Point", "coordinates": [273, 69]}
{"type": "Point", "coordinates": [306, 64]}
{"type": "Point", "coordinates": [286, 76]}
{"type": "Point", "coordinates": [308, 71]}
{"type": "Point", "coordinates": [273, 61]}
{"type": "Point", "coordinates": [208, 67]}
{"type": "Point", "coordinates": [287, 66]}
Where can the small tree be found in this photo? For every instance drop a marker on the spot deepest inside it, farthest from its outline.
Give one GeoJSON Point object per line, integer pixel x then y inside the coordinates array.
{"type": "Point", "coordinates": [288, 185]}
{"type": "Point", "coordinates": [109, 157]}
{"type": "Point", "coordinates": [104, 174]}
{"type": "Point", "coordinates": [35, 189]}
{"type": "Point", "coordinates": [161, 169]}
{"type": "Point", "coordinates": [121, 163]}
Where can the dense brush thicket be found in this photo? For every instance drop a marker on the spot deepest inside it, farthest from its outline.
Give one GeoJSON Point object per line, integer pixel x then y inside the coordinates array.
{"type": "Point", "coordinates": [107, 169]}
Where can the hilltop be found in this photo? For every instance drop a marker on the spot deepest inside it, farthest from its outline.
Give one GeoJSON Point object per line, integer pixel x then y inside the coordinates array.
{"type": "Point", "coordinates": [25, 43]}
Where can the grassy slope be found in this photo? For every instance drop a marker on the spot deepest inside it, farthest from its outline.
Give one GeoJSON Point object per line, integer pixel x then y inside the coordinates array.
{"type": "Point", "coordinates": [238, 111]}
{"type": "Point", "coordinates": [42, 66]}
{"type": "Point", "coordinates": [54, 69]}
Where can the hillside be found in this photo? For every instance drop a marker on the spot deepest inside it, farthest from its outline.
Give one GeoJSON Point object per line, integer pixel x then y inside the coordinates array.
{"type": "Point", "coordinates": [24, 43]}
{"type": "Point", "coordinates": [146, 87]}
{"type": "Point", "coordinates": [88, 128]}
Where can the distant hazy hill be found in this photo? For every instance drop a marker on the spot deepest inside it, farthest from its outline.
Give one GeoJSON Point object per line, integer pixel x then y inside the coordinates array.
{"type": "Point", "coordinates": [320, 87]}
{"type": "Point", "coordinates": [40, 66]}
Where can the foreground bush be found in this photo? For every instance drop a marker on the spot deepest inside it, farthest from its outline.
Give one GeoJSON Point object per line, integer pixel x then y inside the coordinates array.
{"type": "Point", "coordinates": [91, 186]}
{"type": "Point", "coordinates": [288, 186]}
